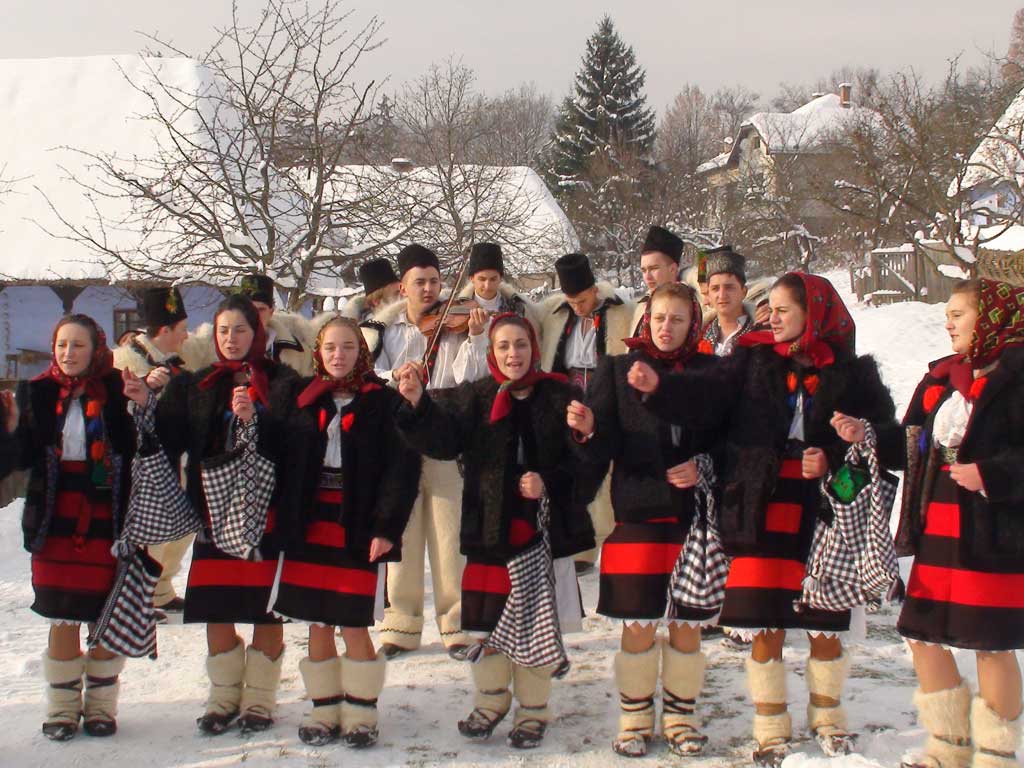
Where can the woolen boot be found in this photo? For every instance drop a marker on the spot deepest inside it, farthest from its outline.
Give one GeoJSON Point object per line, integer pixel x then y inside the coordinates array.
{"type": "Point", "coordinates": [945, 715]}
{"type": "Point", "coordinates": [995, 739]}
{"type": "Point", "coordinates": [773, 733]}
{"type": "Point", "coordinates": [682, 677]}
{"type": "Point", "coordinates": [63, 696]}
{"type": "Point", "coordinates": [492, 676]}
{"type": "Point", "coordinates": [532, 689]}
{"type": "Point", "coordinates": [362, 682]}
{"type": "Point", "coordinates": [259, 696]}
{"type": "Point", "coordinates": [829, 724]}
{"type": "Point", "coordinates": [322, 724]}
{"type": "Point", "coordinates": [101, 690]}
{"type": "Point", "coordinates": [226, 671]}
{"type": "Point", "coordinates": [636, 677]}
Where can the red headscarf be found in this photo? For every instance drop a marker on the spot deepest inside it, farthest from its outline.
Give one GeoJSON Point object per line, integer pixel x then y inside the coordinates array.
{"type": "Point", "coordinates": [687, 349]}
{"type": "Point", "coordinates": [360, 379]}
{"type": "Point", "coordinates": [254, 362]}
{"type": "Point", "coordinates": [91, 379]}
{"type": "Point", "coordinates": [1000, 325]}
{"type": "Point", "coordinates": [828, 329]}
{"type": "Point", "coordinates": [503, 401]}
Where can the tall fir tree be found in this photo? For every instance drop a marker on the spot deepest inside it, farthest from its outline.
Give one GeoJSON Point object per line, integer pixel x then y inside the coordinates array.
{"type": "Point", "coordinates": [607, 112]}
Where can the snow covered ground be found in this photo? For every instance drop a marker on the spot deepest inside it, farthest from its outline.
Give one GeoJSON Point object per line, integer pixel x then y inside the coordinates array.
{"type": "Point", "coordinates": [427, 692]}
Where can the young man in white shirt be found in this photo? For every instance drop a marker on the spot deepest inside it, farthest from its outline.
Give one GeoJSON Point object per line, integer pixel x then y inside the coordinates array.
{"type": "Point", "coordinates": [434, 523]}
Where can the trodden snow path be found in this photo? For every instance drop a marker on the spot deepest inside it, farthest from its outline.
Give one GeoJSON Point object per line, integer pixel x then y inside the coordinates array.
{"type": "Point", "coordinates": [426, 692]}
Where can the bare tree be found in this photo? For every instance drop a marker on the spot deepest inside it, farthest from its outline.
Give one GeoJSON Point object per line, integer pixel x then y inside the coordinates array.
{"type": "Point", "coordinates": [734, 106]}
{"type": "Point", "coordinates": [249, 174]}
{"type": "Point", "coordinates": [520, 123]}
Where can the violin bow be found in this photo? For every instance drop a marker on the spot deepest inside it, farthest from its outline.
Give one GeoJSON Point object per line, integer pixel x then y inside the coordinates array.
{"type": "Point", "coordinates": [435, 336]}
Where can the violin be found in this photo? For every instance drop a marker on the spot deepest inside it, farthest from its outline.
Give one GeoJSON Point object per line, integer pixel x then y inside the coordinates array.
{"type": "Point", "coordinates": [457, 319]}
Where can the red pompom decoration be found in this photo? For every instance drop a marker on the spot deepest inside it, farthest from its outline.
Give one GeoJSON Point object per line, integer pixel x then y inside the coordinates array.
{"type": "Point", "coordinates": [977, 388]}
{"type": "Point", "coordinates": [60, 407]}
{"type": "Point", "coordinates": [253, 395]}
{"type": "Point", "coordinates": [931, 397]}
{"type": "Point", "coordinates": [347, 420]}
{"type": "Point", "coordinates": [811, 384]}
{"type": "Point", "coordinates": [96, 451]}
{"type": "Point", "coordinates": [705, 348]}
{"type": "Point", "coordinates": [92, 409]}
{"type": "Point", "coordinates": [791, 382]}
{"type": "Point", "coordinates": [597, 322]}
{"type": "Point", "coordinates": [322, 420]}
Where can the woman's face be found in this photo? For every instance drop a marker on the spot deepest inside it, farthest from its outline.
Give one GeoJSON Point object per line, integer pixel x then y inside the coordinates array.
{"type": "Point", "coordinates": [788, 318]}
{"type": "Point", "coordinates": [234, 334]}
{"type": "Point", "coordinates": [670, 322]}
{"type": "Point", "coordinates": [512, 350]}
{"type": "Point", "coordinates": [339, 349]}
{"type": "Point", "coordinates": [73, 349]}
{"type": "Point", "coordinates": [961, 319]}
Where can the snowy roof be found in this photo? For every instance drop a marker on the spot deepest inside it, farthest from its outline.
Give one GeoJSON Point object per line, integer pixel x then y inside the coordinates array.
{"type": "Point", "coordinates": [1009, 239]}
{"type": "Point", "coordinates": [49, 105]}
{"type": "Point", "coordinates": [1000, 155]}
{"type": "Point", "coordinates": [809, 128]}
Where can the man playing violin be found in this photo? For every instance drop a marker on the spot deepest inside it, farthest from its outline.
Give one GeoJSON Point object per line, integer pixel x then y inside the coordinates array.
{"type": "Point", "coordinates": [434, 524]}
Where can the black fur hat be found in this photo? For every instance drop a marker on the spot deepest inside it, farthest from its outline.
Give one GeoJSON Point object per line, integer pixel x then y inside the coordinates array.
{"type": "Point", "coordinates": [574, 273]}
{"type": "Point", "coordinates": [661, 240]}
{"type": "Point", "coordinates": [485, 256]}
{"type": "Point", "coordinates": [162, 306]}
{"type": "Point", "coordinates": [375, 274]}
{"type": "Point", "coordinates": [258, 288]}
{"type": "Point", "coordinates": [416, 255]}
{"type": "Point", "coordinates": [725, 261]}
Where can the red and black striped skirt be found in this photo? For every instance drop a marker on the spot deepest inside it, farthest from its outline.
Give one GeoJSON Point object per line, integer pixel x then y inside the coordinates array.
{"type": "Point", "coordinates": [74, 571]}
{"type": "Point", "coordinates": [226, 590]}
{"type": "Point", "coordinates": [325, 584]}
{"type": "Point", "coordinates": [950, 603]}
{"type": "Point", "coordinates": [761, 589]}
{"type": "Point", "coordinates": [486, 584]}
{"type": "Point", "coordinates": [636, 564]}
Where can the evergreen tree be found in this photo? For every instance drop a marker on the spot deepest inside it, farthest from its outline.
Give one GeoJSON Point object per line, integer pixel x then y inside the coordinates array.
{"type": "Point", "coordinates": [607, 112]}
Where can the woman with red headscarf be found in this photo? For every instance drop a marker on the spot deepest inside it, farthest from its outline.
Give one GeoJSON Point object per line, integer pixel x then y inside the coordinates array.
{"type": "Point", "coordinates": [74, 435]}
{"type": "Point", "coordinates": [202, 414]}
{"type": "Point", "coordinates": [961, 520]}
{"type": "Point", "coordinates": [349, 489]}
{"type": "Point", "coordinates": [510, 431]}
{"type": "Point", "coordinates": [778, 395]}
{"type": "Point", "coordinates": [653, 494]}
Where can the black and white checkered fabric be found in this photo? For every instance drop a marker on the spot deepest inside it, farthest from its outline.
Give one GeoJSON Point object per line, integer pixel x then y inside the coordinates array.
{"type": "Point", "coordinates": [852, 559]}
{"type": "Point", "coordinates": [238, 486]}
{"type": "Point", "coordinates": [698, 577]}
{"type": "Point", "coordinates": [528, 631]}
{"type": "Point", "coordinates": [127, 625]}
{"type": "Point", "coordinates": [158, 507]}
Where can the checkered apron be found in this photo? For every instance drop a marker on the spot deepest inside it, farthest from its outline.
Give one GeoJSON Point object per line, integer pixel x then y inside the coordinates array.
{"type": "Point", "coordinates": [852, 558]}
{"type": "Point", "coordinates": [698, 578]}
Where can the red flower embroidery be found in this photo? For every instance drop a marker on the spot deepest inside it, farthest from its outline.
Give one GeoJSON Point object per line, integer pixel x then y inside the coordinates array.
{"type": "Point", "coordinates": [347, 420]}
{"type": "Point", "coordinates": [96, 451]}
{"type": "Point", "coordinates": [322, 420]}
{"type": "Point", "coordinates": [811, 384]}
{"type": "Point", "coordinates": [977, 388]}
{"type": "Point", "coordinates": [791, 382]}
{"type": "Point", "coordinates": [931, 397]}
{"type": "Point", "coordinates": [705, 348]}
{"type": "Point", "coordinates": [92, 409]}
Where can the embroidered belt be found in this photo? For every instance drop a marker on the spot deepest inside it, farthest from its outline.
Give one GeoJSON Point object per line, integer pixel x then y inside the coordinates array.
{"type": "Point", "coordinates": [331, 479]}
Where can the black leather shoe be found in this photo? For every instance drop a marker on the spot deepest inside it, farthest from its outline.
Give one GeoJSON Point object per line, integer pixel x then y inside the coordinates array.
{"type": "Point", "coordinates": [214, 723]}
{"type": "Point", "coordinates": [100, 727]}
{"type": "Point", "coordinates": [390, 650]}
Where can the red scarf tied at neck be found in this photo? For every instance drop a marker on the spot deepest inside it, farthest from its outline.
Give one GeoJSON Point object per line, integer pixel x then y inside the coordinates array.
{"type": "Point", "coordinates": [360, 379]}
{"type": "Point", "coordinates": [91, 379]}
{"type": "Point", "coordinates": [681, 355]}
{"type": "Point", "coordinates": [503, 400]}
{"type": "Point", "coordinates": [828, 328]}
{"type": "Point", "coordinates": [254, 363]}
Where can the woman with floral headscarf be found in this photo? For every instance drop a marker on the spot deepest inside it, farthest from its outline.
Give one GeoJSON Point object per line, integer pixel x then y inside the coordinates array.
{"type": "Point", "coordinates": [73, 433]}
{"type": "Point", "coordinates": [204, 414]}
{"type": "Point", "coordinates": [510, 431]}
{"type": "Point", "coordinates": [653, 494]}
{"type": "Point", "coordinates": [778, 395]}
{"type": "Point", "coordinates": [350, 486]}
{"type": "Point", "coordinates": [962, 521]}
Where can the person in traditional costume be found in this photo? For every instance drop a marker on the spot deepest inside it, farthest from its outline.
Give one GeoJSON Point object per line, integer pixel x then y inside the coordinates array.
{"type": "Point", "coordinates": [521, 487]}
{"type": "Point", "coordinates": [654, 479]}
{"type": "Point", "coordinates": [350, 486]}
{"type": "Point", "coordinates": [659, 264]}
{"type": "Point", "coordinates": [74, 435]}
{"type": "Point", "coordinates": [778, 394]}
{"type": "Point", "coordinates": [243, 397]}
{"type": "Point", "coordinates": [381, 286]}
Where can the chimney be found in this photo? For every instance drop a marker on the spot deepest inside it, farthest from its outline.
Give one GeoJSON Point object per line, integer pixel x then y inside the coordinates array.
{"type": "Point", "coordinates": [817, 95]}
{"type": "Point", "coordinates": [402, 164]}
{"type": "Point", "coordinates": [727, 141]}
{"type": "Point", "coordinates": [844, 95]}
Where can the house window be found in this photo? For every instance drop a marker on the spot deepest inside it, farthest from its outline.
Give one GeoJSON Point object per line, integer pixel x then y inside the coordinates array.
{"type": "Point", "coordinates": [755, 142]}
{"type": "Point", "coordinates": [125, 320]}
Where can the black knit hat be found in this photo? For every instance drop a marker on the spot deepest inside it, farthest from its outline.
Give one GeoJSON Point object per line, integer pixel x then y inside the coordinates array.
{"type": "Point", "coordinates": [485, 256]}
{"type": "Point", "coordinates": [725, 261]}
{"type": "Point", "coordinates": [162, 306]}
{"type": "Point", "coordinates": [574, 273]}
{"type": "Point", "coordinates": [415, 255]}
{"type": "Point", "coordinates": [258, 288]}
{"type": "Point", "coordinates": [661, 240]}
{"type": "Point", "coordinates": [375, 274]}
